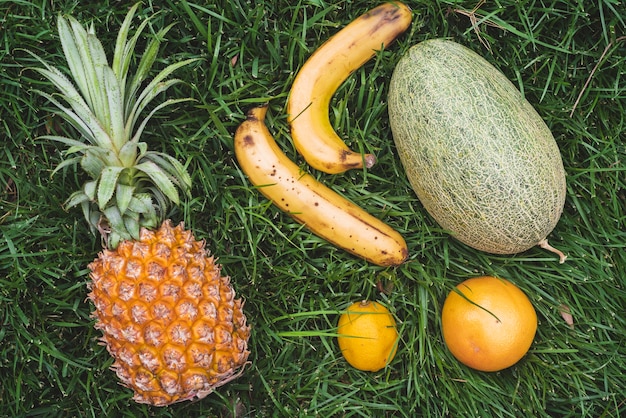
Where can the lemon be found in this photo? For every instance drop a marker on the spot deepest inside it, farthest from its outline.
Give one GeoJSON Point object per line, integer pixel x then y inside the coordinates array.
{"type": "Point", "coordinates": [368, 338]}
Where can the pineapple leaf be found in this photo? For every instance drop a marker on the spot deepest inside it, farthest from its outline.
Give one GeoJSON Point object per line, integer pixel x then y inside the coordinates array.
{"type": "Point", "coordinates": [160, 179]}
{"type": "Point", "coordinates": [90, 189]}
{"type": "Point", "coordinates": [143, 148]}
{"type": "Point", "coordinates": [156, 109]}
{"type": "Point", "coordinates": [92, 216]}
{"type": "Point", "coordinates": [124, 50]}
{"type": "Point", "coordinates": [78, 149]}
{"type": "Point", "coordinates": [116, 222]}
{"type": "Point", "coordinates": [142, 203]}
{"type": "Point", "coordinates": [115, 110]}
{"type": "Point", "coordinates": [67, 114]}
{"type": "Point", "coordinates": [132, 152]}
{"type": "Point", "coordinates": [72, 54]}
{"type": "Point", "coordinates": [161, 200]}
{"type": "Point", "coordinates": [149, 223]}
{"type": "Point", "coordinates": [123, 196]}
{"type": "Point", "coordinates": [76, 198]}
{"type": "Point", "coordinates": [113, 240]}
{"type": "Point", "coordinates": [90, 69]}
{"type": "Point", "coordinates": [96, 65]}
{"type": "Point", "coordinates": [80, 117]}
{"type": "Point", "coordinates": [80, 52]}
{"type": "Point", "coordinates": [72, 143]}
{"type": "Point", "coordinates": [145, 64]}
{"type": "Point", "coordinates": [92, 163]}
{"type": "Point", "coordinates": [131, 223]}
{"type": "Point", "coordinates": [173, 167]}
{"type": "Point", "coordinates": [107, 185]}
{"type": "Point", "coordinates": [82, 199]}
{"type": "Point", "coordinates": [109, 157]}
{"type": "Point", "coordinates": [154, 88]}
{"type": "Point", "coordinates": [74, 146]}
{"type": "Point", "coordinates": [66, 163]}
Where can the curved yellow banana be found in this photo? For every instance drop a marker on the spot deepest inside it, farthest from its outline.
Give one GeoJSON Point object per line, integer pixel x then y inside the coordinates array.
{"type": "Point", "coordinates": [322, 74]}
{"type": "Point", "coordinates": [321, 210]}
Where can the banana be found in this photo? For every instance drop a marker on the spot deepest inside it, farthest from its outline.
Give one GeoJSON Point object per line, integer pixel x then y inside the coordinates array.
{"type": "Point", "coordinates": [322, 74]}
{"type": "Point", "coordinates": [309, 202]}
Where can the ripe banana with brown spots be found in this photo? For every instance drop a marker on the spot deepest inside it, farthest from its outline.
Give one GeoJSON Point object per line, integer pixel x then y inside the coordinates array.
{"type": "Point", "coordinates": [320, 209]}
{"type": "Point", "coordinates": [322, 74]}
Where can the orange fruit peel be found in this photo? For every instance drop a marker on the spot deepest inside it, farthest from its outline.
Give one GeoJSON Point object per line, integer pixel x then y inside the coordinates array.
{"type": "Point", "coordinates": [488, 323]}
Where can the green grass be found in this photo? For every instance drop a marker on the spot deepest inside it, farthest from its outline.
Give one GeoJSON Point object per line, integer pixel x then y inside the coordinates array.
{"type": "Point", "coordinates": [568, 59]}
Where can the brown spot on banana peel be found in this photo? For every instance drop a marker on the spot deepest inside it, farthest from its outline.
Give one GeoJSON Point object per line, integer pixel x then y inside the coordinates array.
{"type": "Point", "coordinates": [390, 15]}
{"type": "Point", "coordinates": [368, 160]}
{"type": "Point", "coordinates": [248, 141]}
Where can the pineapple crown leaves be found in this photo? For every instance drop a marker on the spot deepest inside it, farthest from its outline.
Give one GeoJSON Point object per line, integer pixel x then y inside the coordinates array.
{"type": "Point", "coordinates": [131, 187]}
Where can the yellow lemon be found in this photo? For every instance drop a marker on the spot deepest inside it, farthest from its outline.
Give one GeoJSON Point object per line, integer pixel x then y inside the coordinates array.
{"type": "Point", "coordinates": [368, 337]}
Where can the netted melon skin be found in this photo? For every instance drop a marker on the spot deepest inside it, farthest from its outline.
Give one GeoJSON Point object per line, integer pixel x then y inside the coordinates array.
{"type": "Point", "coordinates": [480, 158]}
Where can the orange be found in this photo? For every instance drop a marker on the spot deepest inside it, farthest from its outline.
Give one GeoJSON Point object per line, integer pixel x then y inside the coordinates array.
{"type": "Point", "coordinates": [368, 338]}
{"type": "Point", "coordinates": [490, 326]}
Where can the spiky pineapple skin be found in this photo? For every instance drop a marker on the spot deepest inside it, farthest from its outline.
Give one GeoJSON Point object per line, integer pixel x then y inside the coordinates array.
{"type": "Point", "coordinates": [168, 317]}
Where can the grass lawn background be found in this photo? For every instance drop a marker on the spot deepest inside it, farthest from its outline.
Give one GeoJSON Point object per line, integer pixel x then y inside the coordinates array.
{"type": "Point", "coordinates": [566, 56]}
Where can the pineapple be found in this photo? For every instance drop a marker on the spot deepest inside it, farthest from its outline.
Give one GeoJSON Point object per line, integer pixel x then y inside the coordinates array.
{"type": "Point", "coordinates": [168, 317]}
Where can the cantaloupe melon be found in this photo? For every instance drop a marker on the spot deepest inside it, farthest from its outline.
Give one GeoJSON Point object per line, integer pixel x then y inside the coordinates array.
{"type": "Point", "coordinates": [480, 158]}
